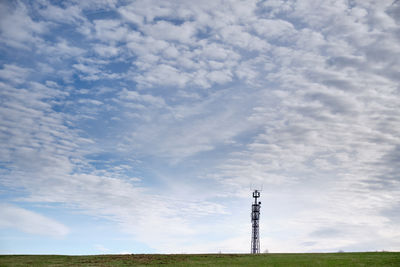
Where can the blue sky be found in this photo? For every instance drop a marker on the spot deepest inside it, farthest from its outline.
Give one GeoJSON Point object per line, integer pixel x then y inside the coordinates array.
{"type": "Point", "coordinates": [141, 126]}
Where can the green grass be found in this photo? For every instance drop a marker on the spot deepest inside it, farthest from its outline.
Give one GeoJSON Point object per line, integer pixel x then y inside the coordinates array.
{"type": "Point", "coordinates": [272, 259]}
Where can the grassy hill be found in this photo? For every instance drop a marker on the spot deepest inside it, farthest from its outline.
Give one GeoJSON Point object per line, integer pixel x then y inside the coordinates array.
{"type": "Point", "coordinates": [272, 259]}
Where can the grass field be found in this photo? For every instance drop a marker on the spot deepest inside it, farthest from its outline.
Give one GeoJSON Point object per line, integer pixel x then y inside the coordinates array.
{"type": "Point", "coordinates": [272, 259]}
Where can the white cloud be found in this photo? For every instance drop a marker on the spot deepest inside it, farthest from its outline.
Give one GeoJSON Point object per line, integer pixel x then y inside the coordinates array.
{"type": "Point", "coordinates": [106, 51]}
{"type": "Point", "coordinates": [274, 29]}
{"type": "Point", "coordinates": [18, 30]}
{"type": "Point", "coordinates": [14, 74]}
{"type": "Point", "coordinates": [110, 31]}
{"type": "Point", "coordinates": [148, 99]}
{"type": "Point", "coordinates": [30, 222]}
{"type": "Point", "coordinates": [206, 98]}
{"type": "Point", "coordinates": [70, 14]}
{"type": "Point", "coordinates": [170, 32]}
{"type": "Point", "coordinates": [163, 74]}
{"type": "Point", "coordinates": [61, 50]}
{"type": "Point", "coordinates": [86, 69]}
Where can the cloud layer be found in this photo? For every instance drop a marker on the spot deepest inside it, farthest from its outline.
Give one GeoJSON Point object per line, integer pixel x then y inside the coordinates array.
{"type": "Point", "coordinates": [30, 222]}
{"type": "Point", "coordinates": [110, 107]}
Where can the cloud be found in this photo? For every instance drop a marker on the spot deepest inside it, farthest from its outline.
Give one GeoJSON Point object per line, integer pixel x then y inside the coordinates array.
{"type": "Point", "coordinates": [47, 159]}
{"type": "Point", "coordinates": [110, 30]}
{"type": "Point", "coordinates": [106, 51]}
{"type": "Point", "coordinates": [274, 29]}
{"type": "Point", "coordinates": [200, 100]}
{"type": "Point", "coordinates": [163, 39]}
{"type": "Point", "coordinates": [14, 74]}
{"type": "Point", "coordinates": [30, 222]}
{"type": "Point", "coordinates": [163, 74]}
{"type": "Point", "coordinates": [170, 32]}
{"type": "Point", "coordinates": [69, 14]}
{"type": "Point", "coordinates": [18, 30]}
{"type": "Point", "coordinates": [148, 99]}
{"type": "Point", "coordinates": [62, 49]}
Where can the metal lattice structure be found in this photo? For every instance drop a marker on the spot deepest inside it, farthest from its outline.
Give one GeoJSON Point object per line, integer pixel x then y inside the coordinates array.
{"type": "Point", "coordinates": [255, 223]}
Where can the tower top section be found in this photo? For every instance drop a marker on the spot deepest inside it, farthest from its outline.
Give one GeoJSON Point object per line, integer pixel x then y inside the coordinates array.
{"type": "Point", "coordinates": [256, 194]}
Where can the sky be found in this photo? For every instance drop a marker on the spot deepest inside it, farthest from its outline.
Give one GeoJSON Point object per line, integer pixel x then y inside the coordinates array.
{"type": "Point", "coordinates": [143, 126]}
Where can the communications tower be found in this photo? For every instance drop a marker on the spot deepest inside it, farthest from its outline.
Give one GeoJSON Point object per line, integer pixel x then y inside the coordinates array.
{"type": "Point", "coordinates": [255, 225]}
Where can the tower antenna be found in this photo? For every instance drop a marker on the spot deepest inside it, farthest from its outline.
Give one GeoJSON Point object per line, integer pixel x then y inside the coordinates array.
{"type": "Point", "coordinates": [255, 223]}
